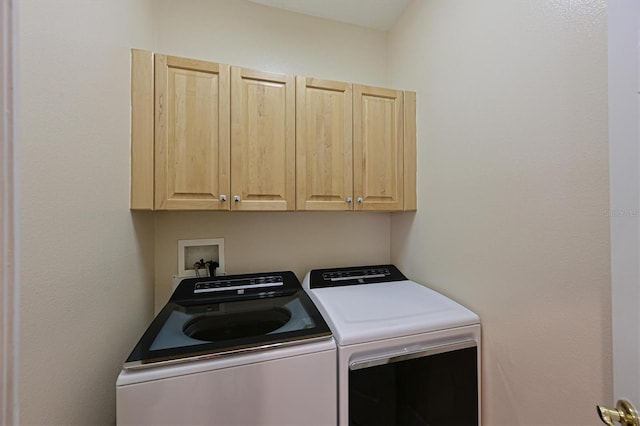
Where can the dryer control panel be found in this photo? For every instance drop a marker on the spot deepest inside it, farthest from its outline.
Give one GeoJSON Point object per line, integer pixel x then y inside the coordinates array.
{"type": "Point", "coordinates": [355, 275]}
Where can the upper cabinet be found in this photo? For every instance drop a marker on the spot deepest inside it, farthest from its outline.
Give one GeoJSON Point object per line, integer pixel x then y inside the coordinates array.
{"type": "Point", "coordinates": [378, 142]}
{"type": "Point", "coordinates": [142, 130]}
{"type": "Point", "coordinates": [355, 147]}
{"type": "Point", "coordinates": [384, 149]}
{"type": "Point", "coordinates": [324, 145]}
{"type": "Point", "coordinates": [262, 140]}
{"type": "Point", "coordinates": [192, 137]}
{"type": "Point", "coordinates": [409, 151]}
{"type": "Point", "coordinates": [206, 136]}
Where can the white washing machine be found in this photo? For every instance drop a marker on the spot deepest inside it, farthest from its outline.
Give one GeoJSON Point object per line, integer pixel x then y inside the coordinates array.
{"type": "Point", "coordinates": [407, 355]}
{"type": "Point", "coordinates": [233, 350]}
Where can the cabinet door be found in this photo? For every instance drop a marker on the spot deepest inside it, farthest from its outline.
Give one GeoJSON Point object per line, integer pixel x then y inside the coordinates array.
{"type": "Point", "coordinates": [263, 140]}
{"type": "Point", "coordinates": [192, 134]}
{"type": "Point", "coordinates": [324, 161]}
{"type": "Point", "coordinates": [377, 148]}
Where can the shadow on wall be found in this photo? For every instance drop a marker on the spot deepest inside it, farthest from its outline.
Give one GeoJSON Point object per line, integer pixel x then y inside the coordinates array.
{"type": "Point", "coordinates": [143, 228]}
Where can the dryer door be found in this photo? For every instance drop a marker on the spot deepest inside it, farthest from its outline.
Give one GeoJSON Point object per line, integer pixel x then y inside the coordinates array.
{"type": "Point", "coordinates": [438, 386]}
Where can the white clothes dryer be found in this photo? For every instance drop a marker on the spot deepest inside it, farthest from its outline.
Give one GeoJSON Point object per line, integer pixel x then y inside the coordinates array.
{"type": "Point", "coordinates": [407, 355]}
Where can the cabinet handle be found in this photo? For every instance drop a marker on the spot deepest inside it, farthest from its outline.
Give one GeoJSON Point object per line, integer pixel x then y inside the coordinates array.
{"type": "Point", "coordinates": [349, 200]}
{"type": "Point", "coordinates": [236, 198]}
{"type": "Point", "coordinates": [360, 200]}
{"type": "Point", "coordinates": [223, 198]}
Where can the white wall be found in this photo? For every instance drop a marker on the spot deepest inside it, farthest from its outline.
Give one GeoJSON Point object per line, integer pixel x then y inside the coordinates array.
{"type": "Point", "coordinates": [513, 193]}
{"type": "Point", "coordinates": [238, 32]}
{"type": "Point", "coordinates": [512, 186]}
{"type": "Point", "coordinates": [258, 242]}
{"type": "Point", "coordinates": [86, 277]}
{"type": "Point", "coordinates": [251, 35]}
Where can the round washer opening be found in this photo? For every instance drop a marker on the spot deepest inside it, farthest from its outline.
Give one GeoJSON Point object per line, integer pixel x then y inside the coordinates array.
{"type": "Point", "coordinates": [211, 328]}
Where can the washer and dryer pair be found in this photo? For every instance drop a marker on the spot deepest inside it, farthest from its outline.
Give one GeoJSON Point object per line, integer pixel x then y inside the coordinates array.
{"type": "Point", "coordinates": [357, 346]}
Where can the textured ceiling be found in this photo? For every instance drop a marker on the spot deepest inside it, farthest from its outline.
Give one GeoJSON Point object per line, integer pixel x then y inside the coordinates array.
{"type": "Point", "coordinates": [377, 14]}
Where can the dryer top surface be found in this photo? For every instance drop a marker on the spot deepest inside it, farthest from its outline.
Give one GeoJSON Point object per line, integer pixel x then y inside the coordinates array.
{"type": "Point", "coordinates": [377, 311]}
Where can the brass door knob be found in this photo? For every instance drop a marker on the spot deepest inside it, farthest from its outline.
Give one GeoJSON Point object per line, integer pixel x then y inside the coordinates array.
{"type": "Point", "coordinates": [624, 413]}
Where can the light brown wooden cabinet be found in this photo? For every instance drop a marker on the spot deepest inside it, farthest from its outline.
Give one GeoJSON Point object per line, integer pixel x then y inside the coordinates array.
{"type": "Point", "coordinates": [180, 136]}
{"type": "Point", "coordinates": [262, 140]}
{"type": "Point", "coordinates": [324, 145]}
{"type": "Point", "coordinates": [353, 151]}
{"type": "Point", "coordinates": [206, 136]}
{"type": "Point", "coordinates": [378, 148]}
{"type": "Point", "coordinates": [191, 134]}
{"type": "Point", "coordinates": [185, 123]}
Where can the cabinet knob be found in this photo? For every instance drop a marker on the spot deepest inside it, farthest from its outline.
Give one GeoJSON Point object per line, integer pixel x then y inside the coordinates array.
{"type": "Point", "coordinates": [360, 200]}
{"type": "Point", "coordinates": [236, 198]}
{"type": "Point", "coordinates": [349, 200]}
{"type": "Point", "coordinates": [223, 198]}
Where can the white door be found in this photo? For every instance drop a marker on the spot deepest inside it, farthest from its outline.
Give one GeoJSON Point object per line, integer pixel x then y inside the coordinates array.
{"type": "Point", "coordinates": [624, 131]}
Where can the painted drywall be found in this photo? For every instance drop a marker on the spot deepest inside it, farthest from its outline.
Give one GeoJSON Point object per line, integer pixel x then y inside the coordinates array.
{"type": "Point", "coordinates": [512, 187]}
{"type": "Point", "coordinates": [246, 34]}
{"type": "Point", "coordinates": [86, 276]}
{"type": "Point", "coordinates": [259, 242]}
{"type": "Point", "coordinates": [513, 193]}
{"type": "Point", "coordinates": [238, 32]}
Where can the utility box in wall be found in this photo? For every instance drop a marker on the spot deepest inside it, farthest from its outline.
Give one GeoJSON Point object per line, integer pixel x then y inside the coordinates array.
{"type": "Point", "coordinates": [192, 252]}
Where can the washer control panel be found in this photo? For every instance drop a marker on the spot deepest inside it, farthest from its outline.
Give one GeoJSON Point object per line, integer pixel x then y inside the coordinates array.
{"type": "Point", "coordinates": [234, 287]}
{"type": "Point", "coordinates": [238, 284]}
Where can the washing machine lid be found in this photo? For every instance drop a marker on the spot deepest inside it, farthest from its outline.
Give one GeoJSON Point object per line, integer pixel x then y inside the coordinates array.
{"type": "Point", "coordinates": [211, 317]}
{"type": "Point", "coordinates": [366, 311]}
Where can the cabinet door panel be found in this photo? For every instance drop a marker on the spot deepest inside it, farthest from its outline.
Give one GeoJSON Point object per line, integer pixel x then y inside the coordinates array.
{"type": "Point", "coordinates": [192, 134]}
{"type": "Point", "coordinates": [324, 161]}
{"type": "Point", "coordinates": [378, 148]}
{"type": "Point", "coordinates": [263, 140]}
